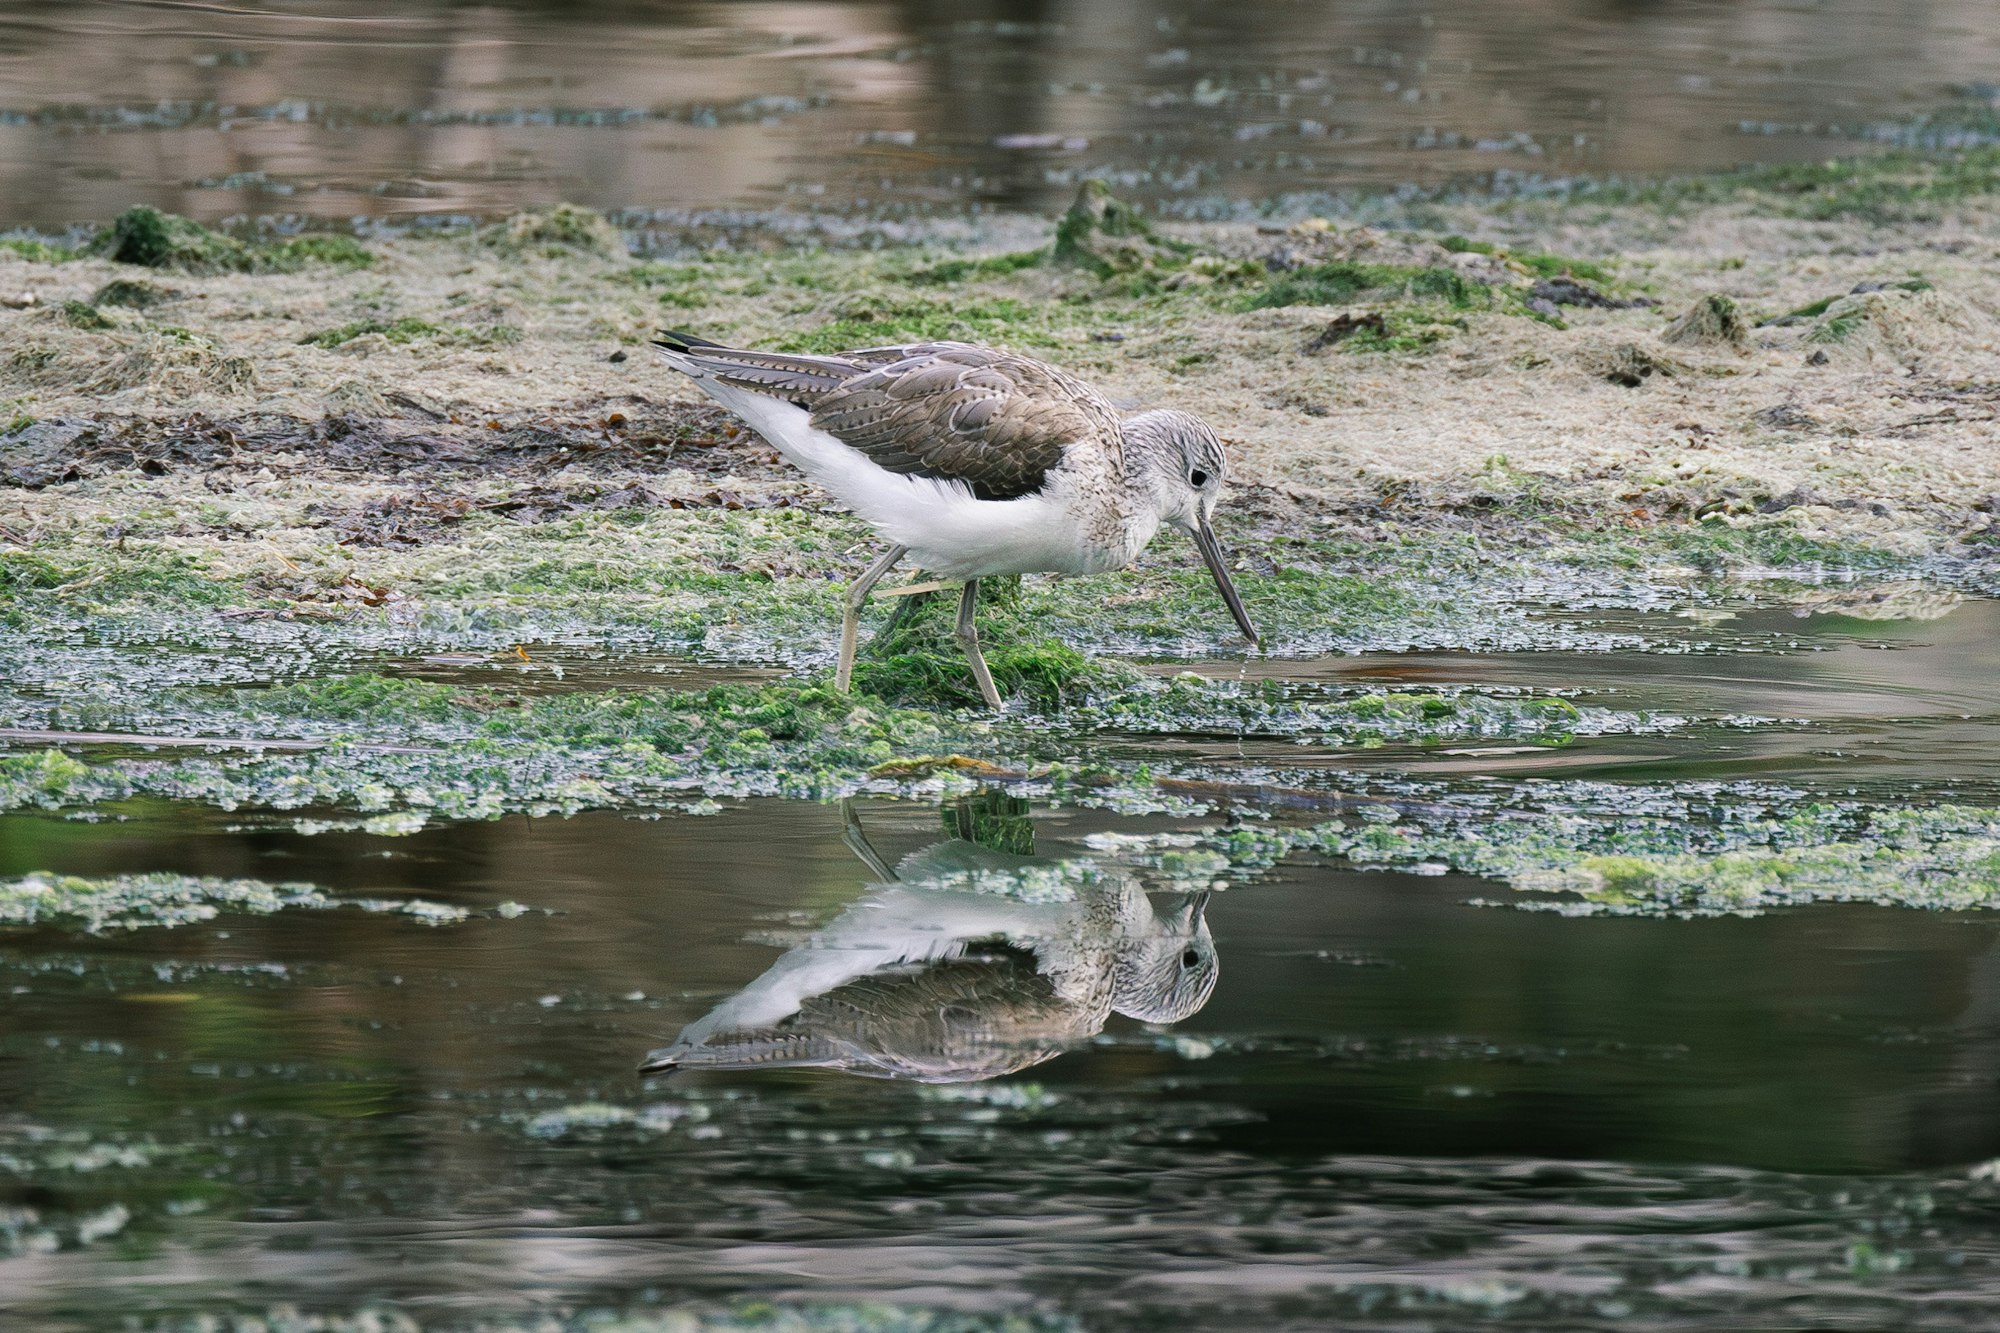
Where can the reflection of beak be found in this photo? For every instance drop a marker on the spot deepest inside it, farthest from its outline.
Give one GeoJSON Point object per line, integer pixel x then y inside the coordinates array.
{"type": "Point", "coordinates": [1211, 555]}
{"type": "Point", "coordinates": [1185, 910]}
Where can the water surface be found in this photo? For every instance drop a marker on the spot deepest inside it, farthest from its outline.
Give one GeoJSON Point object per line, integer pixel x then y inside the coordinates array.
{"type": "Point", "coordinates": [1392, 1097]}
{"type": "Point", "coordinates": [423, 107]}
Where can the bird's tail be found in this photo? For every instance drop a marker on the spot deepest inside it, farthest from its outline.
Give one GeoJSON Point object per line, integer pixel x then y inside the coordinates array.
{"type": "Point", "coordinates": [800, 380]}
{"type": "Point", "coordinates": [753, 1050]}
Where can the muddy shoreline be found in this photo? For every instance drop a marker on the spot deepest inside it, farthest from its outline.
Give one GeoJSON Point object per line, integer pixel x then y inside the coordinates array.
{"type": "Point", "coordinates": [246, 461]}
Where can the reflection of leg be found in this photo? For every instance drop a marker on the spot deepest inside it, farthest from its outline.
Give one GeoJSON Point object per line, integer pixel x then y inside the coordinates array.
{"type": "Point", "coordinates": [857, 842]}
{"type": "Point", "coordinates": [968, 639]}
{"type": "Point", "coordinates": [850, 620]}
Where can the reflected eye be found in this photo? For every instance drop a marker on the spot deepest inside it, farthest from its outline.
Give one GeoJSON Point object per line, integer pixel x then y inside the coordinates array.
{"type": "Point", "coordinates": [1197, 479]}
{"type": "Point", "coordinates": [1190, 958]}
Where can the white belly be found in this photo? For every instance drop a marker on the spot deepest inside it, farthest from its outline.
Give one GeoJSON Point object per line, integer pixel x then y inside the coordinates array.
{"type": "Point", "coordinates": [950, 532]}
{"type": "Point", "coordinates": [957, 536]}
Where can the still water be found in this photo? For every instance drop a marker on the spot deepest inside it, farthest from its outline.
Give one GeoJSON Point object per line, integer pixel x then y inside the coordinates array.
{"type": "Point", "coordinates": [410, 107]}
{"type": "Point", "coordinates": [1325, 1096]}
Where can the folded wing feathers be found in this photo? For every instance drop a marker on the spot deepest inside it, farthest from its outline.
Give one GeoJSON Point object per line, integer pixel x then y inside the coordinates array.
{"type": "Point", "coordinates": [953, 411]}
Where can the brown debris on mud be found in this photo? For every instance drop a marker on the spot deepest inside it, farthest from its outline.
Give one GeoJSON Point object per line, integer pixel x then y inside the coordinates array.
{"type": "Point", "coordinates": [656, 439]}
{"type": "Point", "coordinates": [399, 483]}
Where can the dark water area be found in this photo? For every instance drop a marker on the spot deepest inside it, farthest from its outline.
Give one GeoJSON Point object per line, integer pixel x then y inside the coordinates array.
{"type": "Point", "coordinates": [348, 110]}
{"type": "Point", "coordinates": [1393, 1102]}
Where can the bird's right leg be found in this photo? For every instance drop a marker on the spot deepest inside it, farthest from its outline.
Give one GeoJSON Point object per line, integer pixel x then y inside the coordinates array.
{"type": "Point", "coordinates": [968, 640]}
{"type": "Point", "coordinates": [850, 621]}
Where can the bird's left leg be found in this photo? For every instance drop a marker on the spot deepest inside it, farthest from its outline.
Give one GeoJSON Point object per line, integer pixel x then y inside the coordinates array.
{"type": "Point", "coordinates": [850, 620]}
{"type": "Point", "coordinates": [968, 639]}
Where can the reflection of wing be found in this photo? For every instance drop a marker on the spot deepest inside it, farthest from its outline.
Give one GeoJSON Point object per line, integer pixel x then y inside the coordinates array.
{"type": "Point", "coordinates": [980, 1015]}
{"type": "Point", "coordinates": [945, 984]}
{"type": "Point", "coordinates": [893, 927]}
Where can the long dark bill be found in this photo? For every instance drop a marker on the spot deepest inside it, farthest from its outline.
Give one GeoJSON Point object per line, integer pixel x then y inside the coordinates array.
{"type": "Point", "coordinates": [1211, 555]}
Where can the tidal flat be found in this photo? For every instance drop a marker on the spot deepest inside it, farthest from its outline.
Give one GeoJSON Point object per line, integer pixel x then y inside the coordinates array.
{"type": "Point", "coordinates": [1627, 560]}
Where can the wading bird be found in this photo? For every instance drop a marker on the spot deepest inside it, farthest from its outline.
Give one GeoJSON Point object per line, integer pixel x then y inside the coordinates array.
{"type": "Point", "coordinates": [973, 462]}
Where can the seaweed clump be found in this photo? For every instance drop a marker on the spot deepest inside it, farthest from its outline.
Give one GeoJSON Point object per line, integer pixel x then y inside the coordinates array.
{"type": "Point", "coordinates": [554, 232]}
{"type": "Point", "coordinates": [1108, 237]}
{"type": "Point", "coordinates": [1900, 322]}
{"type": "Point", "coordinates": [132, 293]}
{"type": "Point", "coordinates": [82, 315]}
{"type": "Point", "coordinates": [151, 239]}
{"type": "Point", "coordinates": [916, 661]}
{"type": "Point", "coordinates": [1713, 321]}
{"type": "Point", "coordinates": [145, 236]}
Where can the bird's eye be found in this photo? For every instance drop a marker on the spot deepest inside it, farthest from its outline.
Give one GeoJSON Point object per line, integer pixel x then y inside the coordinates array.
{"type": "Point", "coordinates": [1190, 958]}
{"type": "Point", "coordinates": [1197, 479]}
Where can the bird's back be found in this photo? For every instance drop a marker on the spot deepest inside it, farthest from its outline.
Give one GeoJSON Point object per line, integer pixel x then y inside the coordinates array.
{"type": "Point", "coordinates": [980, 461]}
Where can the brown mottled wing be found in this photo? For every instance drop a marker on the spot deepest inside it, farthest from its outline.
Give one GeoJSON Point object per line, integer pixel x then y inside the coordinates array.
{"type": "Point", "coordinates": [994, 420]}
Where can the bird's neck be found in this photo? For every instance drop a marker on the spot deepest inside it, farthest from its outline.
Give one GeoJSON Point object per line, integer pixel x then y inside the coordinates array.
{"type": "Point", "coordinates": [1146, 463]}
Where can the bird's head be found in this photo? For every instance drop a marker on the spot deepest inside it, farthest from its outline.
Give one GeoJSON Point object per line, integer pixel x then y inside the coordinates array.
{"type": "Point", "coordinates": [1180, 463]}
{"type": "Point", "coordinates": [1167, 971]}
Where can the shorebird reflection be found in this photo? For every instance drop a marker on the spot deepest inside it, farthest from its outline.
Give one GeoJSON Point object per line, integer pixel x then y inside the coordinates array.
{"type": "Point", "coordinates": [926, 978]}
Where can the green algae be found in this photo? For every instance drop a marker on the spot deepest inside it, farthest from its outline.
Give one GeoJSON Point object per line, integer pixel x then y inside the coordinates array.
{"type": "Point", "coordinates": [916, 660]}
{"type": "Point", "coordinates": [137, 294]}
{"type": "Point", "coordinates": [750, 1316]}
{"type": "Point", "coordinates": [950, 271]}
{"type": "Point", "coordinates": [1190, 705]}
{"type": "Point", "coordinates": [82, 315]}
{"type": "Point", "coordinates": [36, 250]}
{"type": "Point", "coordinates": [1658, 858]}
{"type": "Point", "coordinates": [478, 755]}
{"type": "Point", "coordinates": [993, 819]}
{"type": "Point", "coordinates": [149, 238]}
{"type": "Point", "coordinates": [553, 232]}
{"type": "Point", "coordinates": [1887, 188]}
{"type": "Point", "coordinates": [416, 749]}
{"type": "Point", "coordinates": [882, 321]}
{"type": "Point", "coordinates": [1713, 320]}
{"type": "Point", "coordinates": [133, 902]}
{"type": "Point", "coordinates": [1537, 262]}
{"type": "Point", "coordinates": [298, 252]}
{"type": "Point", "coordinates": [1340, 282]}
{"type": "Point", "coordinates": [1940, 858]}
{"type": "Point", "coordinates": [1717, 547]}
{"type": "Point", "coordinates": [763, 585]}
{"type": "Point", "coordinates": [1814, 309]}
{"type": "Point", "coordinates": [408, 329]}
{"type": "Point", "coordinates": [1105, 236]}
